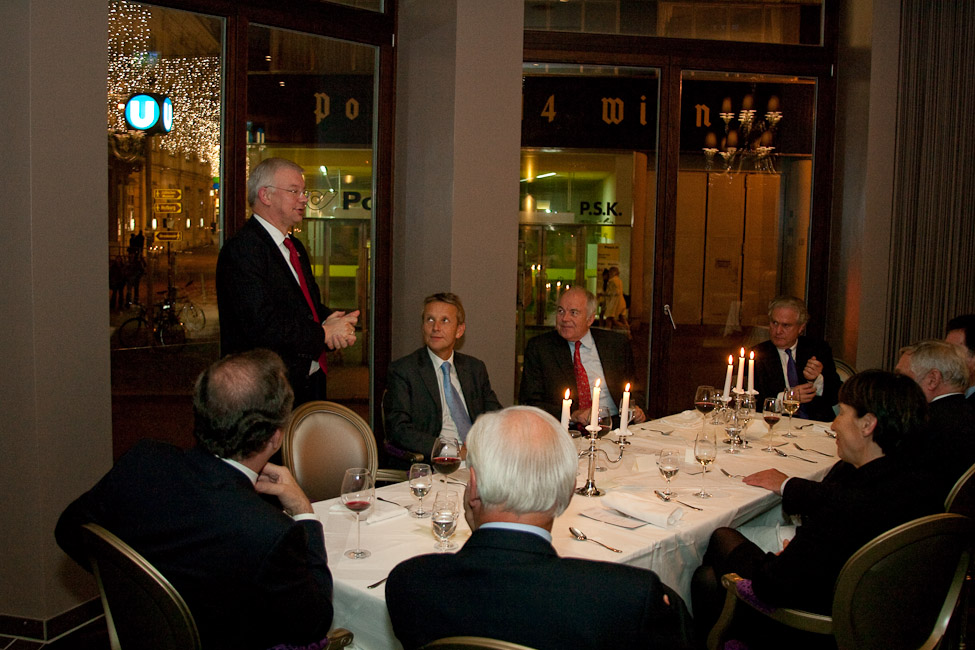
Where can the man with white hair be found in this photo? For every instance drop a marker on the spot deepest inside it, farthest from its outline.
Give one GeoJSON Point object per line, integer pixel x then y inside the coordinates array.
{"type": "Point", "coordinates": [507, 582]}
{"type": "Point", "coordinates": [961, 330]}
{"type": "Point", "coordinates": [941, 370]}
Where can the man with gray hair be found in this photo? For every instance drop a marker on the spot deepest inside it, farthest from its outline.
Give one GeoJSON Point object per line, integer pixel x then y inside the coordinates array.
{"type": "Point", "coordinates": [266, 290]}
{"type": "Point", "coordinates": [961, 330]}
{"type": "Point", "coordinates": [790, 359]}
{"type": "Point", "coordinates": [507, 582]}
{"type": "Point", "coordinates": [941, 370]}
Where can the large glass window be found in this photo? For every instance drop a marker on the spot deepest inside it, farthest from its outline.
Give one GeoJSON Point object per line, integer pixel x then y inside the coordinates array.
{"type": "Point", "coordinates": [164, 96]}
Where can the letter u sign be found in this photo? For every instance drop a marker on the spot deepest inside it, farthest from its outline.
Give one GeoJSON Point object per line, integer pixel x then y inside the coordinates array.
{"type": "Point", "coordinates": [149, 113]}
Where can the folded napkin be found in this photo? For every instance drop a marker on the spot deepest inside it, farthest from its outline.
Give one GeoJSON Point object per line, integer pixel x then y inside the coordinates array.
{"type": "Point", "coordinates": [381, 511]}
{"type": "Point", "coordinates": [659, 514]}
{"type": "Point", "coordinates": [683, 420]}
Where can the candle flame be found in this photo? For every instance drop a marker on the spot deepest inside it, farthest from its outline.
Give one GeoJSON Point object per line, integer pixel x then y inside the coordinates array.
{"type": "Point", "coordinates": [627, 389]}
{"type": "Point", "coordinates": [597, 383]}
{"type": "Point", "coordinates": [743, 353]}
{"type": "Point", "coordinates": [566, 393]}
{"type": "Point", "coordinates": [731, 360]}
{"type": "Point", "coordinates": [751, 355]}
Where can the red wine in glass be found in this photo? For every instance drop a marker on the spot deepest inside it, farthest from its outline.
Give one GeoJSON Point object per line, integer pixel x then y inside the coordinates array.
{"type": "Point", "coordinates": [358, 506]}
{"type": "Point", "coordinates": [705, 407]}
{"type": "Point", "coordinates": [446, 465]}
{"type": "Point", "coordinates": [445, 456]}
{"type": "Point", "coordinates": [772, 419]}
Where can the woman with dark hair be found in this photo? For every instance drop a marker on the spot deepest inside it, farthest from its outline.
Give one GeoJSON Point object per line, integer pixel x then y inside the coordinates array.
{"type": "Point", "coordinates": [867, 492]}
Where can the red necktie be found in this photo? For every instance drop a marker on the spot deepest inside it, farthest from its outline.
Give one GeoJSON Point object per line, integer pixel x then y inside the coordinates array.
{"type": "Point", "coordinates": [296, 265]}
{"type": "Point", "coordinates": [582, 380]}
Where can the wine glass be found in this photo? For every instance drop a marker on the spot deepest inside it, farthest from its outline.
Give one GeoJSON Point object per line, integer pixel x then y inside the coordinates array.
{"type": "Point", "coordinates": [733, 428]}
{"type": "Point", "coordinates": [669, 462]}
{"type": "Point", "coordinates": [746, 413]}
{"type": "Point", "coordinates": [790, 404]}
{"type": "Point", "coordinates": [358, 495]}
{"type": "Point", "coordinates": [705, 452]}
{"type": "Point", "coordinates": [446, 510]}
{"type": "Point", "coordinates": [771, 410]}
{"type": "Point", "coordinates": [705, 399]}
{"type": "Point", "coordinates": [421, 481]}
{"type": "Point", "coordinates": [445, 456]}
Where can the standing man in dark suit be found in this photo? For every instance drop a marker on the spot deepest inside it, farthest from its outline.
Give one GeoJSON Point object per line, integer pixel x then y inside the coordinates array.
{"type": "Point", "coordinates": [507, 582]}
{"type": "Point", "coordinates": [961, 331]}
{"type": "Point", "coordinates": [418, 391]}
{"type": "Point", "coordinates": [574, 356]}
{"type": "Point", "coordinates": [266, 291]}
{"type": "Point", "coordinates": [941, 370]}
{"type": "Point", "coordinates": [252, 575]}
{"type": "Point", "coordinates": [789, 359]}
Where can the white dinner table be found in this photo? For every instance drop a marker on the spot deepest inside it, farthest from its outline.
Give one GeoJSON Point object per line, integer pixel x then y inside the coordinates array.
{"type": "Point", "coordinates": [673, 552]}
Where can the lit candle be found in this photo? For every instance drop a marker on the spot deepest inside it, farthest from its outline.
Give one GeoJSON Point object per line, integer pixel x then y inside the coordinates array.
{"type": "Point", "coordinates": [625, 412]}
{"type": "Point", "coordinates": [751, 371]}
{"type": "Point", "coordinates": [741, 370]}
{"type": "Point", "coordinates": [566, 409]}
{"type": "Point", "coordinates": [727, 378]}
{"type": "Point", "coordinates": [594, 416]}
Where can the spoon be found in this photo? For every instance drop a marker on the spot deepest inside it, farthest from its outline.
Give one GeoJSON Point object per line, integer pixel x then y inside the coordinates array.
{"type": "Point", "coordinates": [664, 497]}
{"type": "Point", "coordinates": [578, 534]}
{"type": "Point", "coordinates": [783, 454]}
{"type": "Point", "coordinates": [812, 450]}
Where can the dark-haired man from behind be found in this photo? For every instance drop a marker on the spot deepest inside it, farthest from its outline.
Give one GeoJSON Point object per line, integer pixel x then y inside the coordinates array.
{"type": "Point", "coordinates": [507, 582]}
{"type": "Point", "coordinates": [961, 331]}
{"type": "Point", "coordinates": [253, 574]}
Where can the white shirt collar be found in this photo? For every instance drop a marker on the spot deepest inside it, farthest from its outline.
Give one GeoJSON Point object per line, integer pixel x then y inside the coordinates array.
{"type": "Point", "coordinates": [248, 472]}
{"type": "Point", "coordinates": [522, 528]}
{"type": "Point", "coordinates": [437, 361]}
{"type": "Point", "coordinates": [272, 230]}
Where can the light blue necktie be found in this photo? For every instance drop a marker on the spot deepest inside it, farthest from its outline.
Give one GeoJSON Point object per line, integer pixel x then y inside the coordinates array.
{"type": "Point", "coordinates": [457, 411]}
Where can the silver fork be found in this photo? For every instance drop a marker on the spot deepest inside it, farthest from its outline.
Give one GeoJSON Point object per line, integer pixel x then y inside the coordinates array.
{"type": "Point", "coordinates": [783, 454]}
{"type": "Point", "coordinates": [725, 472]}
{"type": "Point", "coordinates": [812, 450]}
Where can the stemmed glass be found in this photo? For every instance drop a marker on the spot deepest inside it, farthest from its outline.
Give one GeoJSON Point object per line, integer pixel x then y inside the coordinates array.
{"type": "Point", "coordinates": [421, 481]}
{"type": "Point", "coordinates": [445, 457]}
{"type": "Point", "coordinates": [733, 428]}
{"type": "Point", "coordinates": [358, 495]}
{"type": "Point", "coordinates": [746, 412]}
{"type": "Point", "coordinates": [669, 462]}
{"type": "Point", "coordinates": [446, 509]}
{"type": "Point", "coordinates": [705, 452]}
{"type": "Point", "coordinates": [790, 404]}
{"type": "Point", "coordinates": [771, 410]}
{"type": "Point", "coordinates": [705, 399]}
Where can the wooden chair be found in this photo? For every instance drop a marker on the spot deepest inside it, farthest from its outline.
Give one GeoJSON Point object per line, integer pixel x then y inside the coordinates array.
{"type": "Point", "coordinates": [897, 591]}
{"type": "Point", "coordinates": [142, 609]}
{"type": "Point", "coordinates": [472, 643]}
{"type": "Point", "coordinates": [322, 441]}
{"type": "Point", "coordinates": [844, 370]}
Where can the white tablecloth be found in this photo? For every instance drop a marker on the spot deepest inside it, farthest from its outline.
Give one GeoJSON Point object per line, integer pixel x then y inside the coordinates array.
{"type": "Point", "coordinates": [673, 553]}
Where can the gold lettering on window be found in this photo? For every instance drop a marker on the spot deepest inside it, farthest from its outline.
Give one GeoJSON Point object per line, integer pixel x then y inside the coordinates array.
{"type": "Point", "coordinates": [643, 110]}
{"type": "Point", "coordinates": [352, 109]}
{"type": "Point", "coordinates": [549, 109]}
{"type": "Point", "coordinates": [703, 115]}
{"type": "Point", "coordinates": [612, 110]}
{"type": "Point", "coordinates": [322, 107]}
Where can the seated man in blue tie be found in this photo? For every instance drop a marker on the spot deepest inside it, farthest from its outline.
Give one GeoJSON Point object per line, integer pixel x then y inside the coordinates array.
{"type": "Point", "coordinates": [507, 582]}
{"type": "Point", "coordinates": [790, 359]}
{"type": "Point", "coordinates": [421, 403]}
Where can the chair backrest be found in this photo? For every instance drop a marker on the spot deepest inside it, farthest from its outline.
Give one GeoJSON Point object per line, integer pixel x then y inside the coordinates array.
{"type": "Point", "coordinates": [844, 370]}
{"type": "Point", "coordinates": [472, 643]}
{"type": "Point", "coordinates": [322, 441]}
{"type": "Point", "coordinates": [961, 499]}
{"type": "Point", "coordinates": [899, 589]}
{"type": "Point", "coordinates": [143, 610]}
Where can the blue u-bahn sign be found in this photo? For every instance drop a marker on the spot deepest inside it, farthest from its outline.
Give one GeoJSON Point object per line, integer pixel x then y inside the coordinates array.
{"type": "Point", "coordinates": [149, 113]}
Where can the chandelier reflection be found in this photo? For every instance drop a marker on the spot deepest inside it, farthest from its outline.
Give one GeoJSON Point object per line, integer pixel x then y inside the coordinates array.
{"type": "Point", "coordinates": [747, 142]}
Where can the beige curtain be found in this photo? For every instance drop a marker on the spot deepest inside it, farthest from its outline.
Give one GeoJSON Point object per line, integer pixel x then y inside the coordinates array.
{"type": "Point", "coordinates": [933, 217]}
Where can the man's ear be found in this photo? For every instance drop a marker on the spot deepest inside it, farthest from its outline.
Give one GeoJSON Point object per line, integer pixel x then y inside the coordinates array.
{"type": "Point", "coordinates": [274, 442]}
{"type": "Point", "coordinates": [932, 380]}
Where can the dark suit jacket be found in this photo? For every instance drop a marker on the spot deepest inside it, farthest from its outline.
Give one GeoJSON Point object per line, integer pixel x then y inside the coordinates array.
{"type": "Point", "coordinates": [412, 408]}
{"type": "Point", "coordinates": [950, 443]}
{"type": "Point", "coordinates": [251, 575]}
{"type": "Point", "coordinates": [513, 586]}
{"type": "Point", "coordinates": [846, 510]}
{"type": "Point", "coordinates": [261, 304]}
{"type": "Point", "coordinates": [549, 370]}
{"type": "Point", "coordinates": [769, 380]}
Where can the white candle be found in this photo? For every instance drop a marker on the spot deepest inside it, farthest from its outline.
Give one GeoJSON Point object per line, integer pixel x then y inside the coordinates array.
{"type": "Point", "coordinates": [566, 409]}
{"type": "Point", "coordinates": [727, 378]}
{"type": "Point", "coordinates": [741, 370]}
{"type": "Point", "coordinates": [625, 412]}
{"type": "Point", "coordinates": [594, 416]}
{"type": "Point", "coordinates": [751, 371]}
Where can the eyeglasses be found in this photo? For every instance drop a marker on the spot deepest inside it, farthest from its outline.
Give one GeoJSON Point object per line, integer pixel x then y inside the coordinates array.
{"type": "Point", "coordinates": [296, 193]}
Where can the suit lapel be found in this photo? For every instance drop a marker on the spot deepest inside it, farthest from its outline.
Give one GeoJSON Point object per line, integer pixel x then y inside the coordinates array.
{"type": "Point", "coordinates": [429, 377]}
{"type": "Point", "coordinates": [466, 382]}
{"type": "Point", "coordinates": [278, 261]}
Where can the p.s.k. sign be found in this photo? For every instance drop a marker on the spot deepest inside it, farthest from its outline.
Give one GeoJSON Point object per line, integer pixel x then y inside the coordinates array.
{"type": "Point", "coordinates": [149, 113]}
